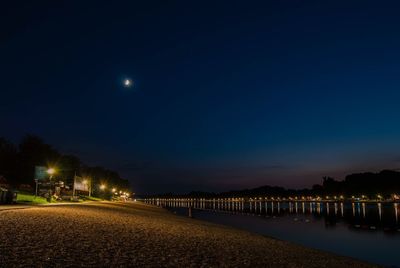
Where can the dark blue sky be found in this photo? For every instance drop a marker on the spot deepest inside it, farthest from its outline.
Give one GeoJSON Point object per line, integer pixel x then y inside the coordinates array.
{"type": "Point", "coordinates": [228, 94]}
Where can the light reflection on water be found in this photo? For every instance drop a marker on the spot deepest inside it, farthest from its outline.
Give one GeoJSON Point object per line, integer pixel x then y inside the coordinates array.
{"type": "Point", "coordinates": [369, 232]}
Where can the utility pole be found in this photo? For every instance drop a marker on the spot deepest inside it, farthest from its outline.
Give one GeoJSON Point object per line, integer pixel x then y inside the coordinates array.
{"type": "Point", "coordinates": [36, 190]}
{"type": "Point", "coordinates": [73, 187]}
{"type": "Point", "coordinates": [90, 187]}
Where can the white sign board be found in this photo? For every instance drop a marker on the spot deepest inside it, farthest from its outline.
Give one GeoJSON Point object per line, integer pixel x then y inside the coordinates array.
{"type": "Point", "coordinates": [81, 184]}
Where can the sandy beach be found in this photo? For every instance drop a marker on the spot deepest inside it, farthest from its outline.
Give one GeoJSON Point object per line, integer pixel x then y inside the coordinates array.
{"type": "Point", "coordinates": [104, 234]}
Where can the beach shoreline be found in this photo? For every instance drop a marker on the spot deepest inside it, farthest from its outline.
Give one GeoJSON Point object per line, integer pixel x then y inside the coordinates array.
{"type": "Point", "coordinates": [101, 234]}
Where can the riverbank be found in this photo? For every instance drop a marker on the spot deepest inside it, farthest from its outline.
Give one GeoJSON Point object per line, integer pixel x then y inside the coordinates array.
{"type": "Point", "coordinates": [102, 234]}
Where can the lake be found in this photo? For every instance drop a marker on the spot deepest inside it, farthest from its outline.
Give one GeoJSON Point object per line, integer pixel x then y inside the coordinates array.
{"type": "Point", "coordinates": [369, 232]}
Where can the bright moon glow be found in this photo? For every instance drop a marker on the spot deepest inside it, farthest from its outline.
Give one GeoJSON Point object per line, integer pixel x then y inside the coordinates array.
{"type": "Point", "coordinates": [127, 82]}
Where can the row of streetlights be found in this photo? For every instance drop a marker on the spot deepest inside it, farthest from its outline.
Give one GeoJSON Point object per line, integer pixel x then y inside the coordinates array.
{"type": "Point", "coordinates": [51, 171]}
{"type": "Point", "coordinates": [103, 187]}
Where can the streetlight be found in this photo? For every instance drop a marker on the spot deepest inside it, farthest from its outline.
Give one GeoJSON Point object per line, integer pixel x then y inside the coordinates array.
{"type": "Point", "coordinates": [102, 188]}
{"type": "Point", "coordinates": [51, 172]}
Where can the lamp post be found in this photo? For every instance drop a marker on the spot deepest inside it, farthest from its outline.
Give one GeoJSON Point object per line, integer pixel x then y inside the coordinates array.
{"type": "Point", "coordinates": [102, 188]}
{"type": "Point", "coordinates": [51, 172]}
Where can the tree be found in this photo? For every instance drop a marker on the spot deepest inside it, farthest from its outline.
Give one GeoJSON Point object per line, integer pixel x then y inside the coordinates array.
{"type": "Point", "coordinates": [34, 152]}
{"type": "Point", "coordinates": [8, 160]}
{"type": "Point", "coordinates": [68, 166]}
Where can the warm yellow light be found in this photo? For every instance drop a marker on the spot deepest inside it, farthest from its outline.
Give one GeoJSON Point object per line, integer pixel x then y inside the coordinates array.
{"type": "Point", "coordinates": [51, 171]}
{"type": "Point", "coordinates": [102, 187]}
{"type": "Point", "coordinates": [114, 190]}
{"type": "Point", "coordinates": [84, 181]}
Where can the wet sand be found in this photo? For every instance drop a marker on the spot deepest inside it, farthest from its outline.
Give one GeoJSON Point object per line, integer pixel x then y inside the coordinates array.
{"type": "Point", "coordinates": [104, 234]}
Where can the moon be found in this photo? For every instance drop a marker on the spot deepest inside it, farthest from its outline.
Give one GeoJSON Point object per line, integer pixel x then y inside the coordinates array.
{"type": "Point", "coordinates": [128, 82]}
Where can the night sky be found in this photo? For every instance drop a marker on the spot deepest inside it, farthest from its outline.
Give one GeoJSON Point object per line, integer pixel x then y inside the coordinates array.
{"type": "Point", "coordinates": [227, 94]}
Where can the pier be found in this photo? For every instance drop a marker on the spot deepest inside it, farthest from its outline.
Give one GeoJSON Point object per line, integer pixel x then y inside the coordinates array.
{"type": "Point", "coordinates": [264, 206]}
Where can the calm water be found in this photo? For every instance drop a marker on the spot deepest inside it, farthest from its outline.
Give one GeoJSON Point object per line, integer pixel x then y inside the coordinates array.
{"type": "Point", "coordinates": [368, 232]}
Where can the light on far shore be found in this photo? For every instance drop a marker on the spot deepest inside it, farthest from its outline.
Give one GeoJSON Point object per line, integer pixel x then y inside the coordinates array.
{"type": "Point", "coordinates": [102, 187]}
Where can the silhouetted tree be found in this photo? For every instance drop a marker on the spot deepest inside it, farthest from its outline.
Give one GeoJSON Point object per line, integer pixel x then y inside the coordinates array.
{"type": "Point", "coordinates": [331, 186]}
{"type": "Point", "coordinates": [34, 152]}
{"type": "Point", "coordinates": [8, 160]}
{"type": "Point", "coordinates": [68, 166]}
{"type": "Point", "coordinates": [17, 164]}
{"type": "Point", "coordinates": [317, 189]}
{"type": "Point", "coordinates": [384, 182]}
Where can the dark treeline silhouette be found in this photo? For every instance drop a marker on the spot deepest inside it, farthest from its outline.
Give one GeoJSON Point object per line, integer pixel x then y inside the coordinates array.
{"type": "Point", "coordinates": [385, 183]}
{"type": "Point", "coordinates": [17, 164]}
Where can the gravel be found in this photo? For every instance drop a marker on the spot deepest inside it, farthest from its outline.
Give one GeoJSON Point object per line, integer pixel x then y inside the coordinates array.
{"type": "Point", "coordinates": [104, 234]}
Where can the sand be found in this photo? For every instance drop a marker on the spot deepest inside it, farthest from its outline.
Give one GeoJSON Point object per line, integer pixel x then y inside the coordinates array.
{"type": "Point", "coordinates": [105, 234]}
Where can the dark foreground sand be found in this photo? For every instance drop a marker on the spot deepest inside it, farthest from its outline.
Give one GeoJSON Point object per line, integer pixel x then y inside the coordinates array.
{"type": "Point", "coordinates": [126, 234]}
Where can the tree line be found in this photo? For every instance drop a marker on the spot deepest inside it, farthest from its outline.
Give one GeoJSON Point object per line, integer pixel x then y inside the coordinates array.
{"type": "Point", "coordinates": [17, 164]}
{"type": "Point", "coordinates": [369, 184]}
